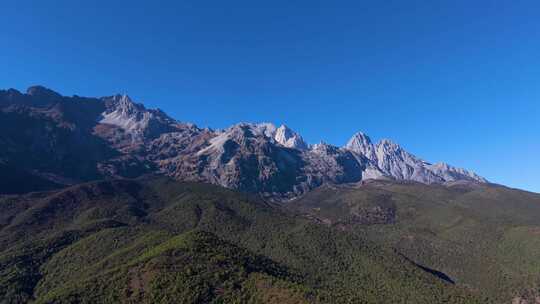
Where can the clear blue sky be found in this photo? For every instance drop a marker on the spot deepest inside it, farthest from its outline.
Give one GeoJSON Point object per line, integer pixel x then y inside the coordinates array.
{"type": "Point", "coordinates": [454, 81]}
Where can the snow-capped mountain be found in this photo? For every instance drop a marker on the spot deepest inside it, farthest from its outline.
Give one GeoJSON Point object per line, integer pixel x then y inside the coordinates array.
{"type": "Point", "coordinates": [114, 137]}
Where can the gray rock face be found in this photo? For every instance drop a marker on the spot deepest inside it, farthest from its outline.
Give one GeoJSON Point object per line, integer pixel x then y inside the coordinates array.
{"type": "Point", "coordinates": [290, 139]}
{"type": "Point", "coordinates": [123, 138]}
{"type": "Point", "coordinates": [361, 143]}
{"type": "Point", "coordinates": [395, 162]}
{"type": "Point", "coordinates": [247, 157]}
{"type": "Point", "coordinates": [136, 121]}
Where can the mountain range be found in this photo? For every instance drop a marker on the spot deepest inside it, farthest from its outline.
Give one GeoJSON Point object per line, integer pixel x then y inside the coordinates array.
{"type": "Point", "coordinates": [52, 141]}
{"type": "Point", "coordinates": [105, 201]}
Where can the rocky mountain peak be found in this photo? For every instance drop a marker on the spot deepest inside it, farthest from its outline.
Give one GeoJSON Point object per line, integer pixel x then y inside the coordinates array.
{"type": "Point", "coordinates": [10, 96]}
{"type": "Point", "coordinates": [386, 147]}
{"type": "Point", "coordinates": [245, 129]}
{"type": "Point", "coordinates": [360, 137]}
{"type": "Point", "coordinates": [124, 100]}
{"type": "Point", "coordinates": [124, 104]}
{"type": "Point", "coordinates": [290, 139]}
{"type": "Point", "coordinates": [254, 157]}
{"type": "Point", "coordinates": [323, 147]}
{"type": "Point", "coordinates": [283, 135]}
{"type": "Point", "coordinates": [388, 144]}
{"type": "Point", "coordinates": [137, 121]}
{"type": "Point", "coordinates": [42, 92]}
{"type": "Point", "coordinates": [361, 143]}
{"type": "Point", "coordinates": [394, 161]}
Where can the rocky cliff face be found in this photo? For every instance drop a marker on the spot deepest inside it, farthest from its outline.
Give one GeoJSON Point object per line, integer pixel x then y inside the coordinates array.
{"type": "Point", "coordinates": [393, 161]}
{"type": "Point", "coordinates": [134, 119]}
{"type": "Point", "coordinates": [63, 140]}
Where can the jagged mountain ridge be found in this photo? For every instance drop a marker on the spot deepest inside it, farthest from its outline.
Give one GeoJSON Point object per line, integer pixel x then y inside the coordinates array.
{"type": "Point", "coordinates": [82, 139]}
{"type": "Point", "coordinates": [394, 161]}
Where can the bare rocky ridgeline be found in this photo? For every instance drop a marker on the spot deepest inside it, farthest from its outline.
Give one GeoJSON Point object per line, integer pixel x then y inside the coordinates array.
{"type": "Point", "coordinates": [55, 140]}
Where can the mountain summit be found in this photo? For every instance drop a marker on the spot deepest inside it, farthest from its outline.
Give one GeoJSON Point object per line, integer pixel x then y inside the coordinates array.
{"type": "Point", "coordinates": [395, 162]}
{"type": "Point", "coordinates": [289, 138]}
{"type": "Point", "coordinates": [55, 140]}
{"type": "Point", "coordinates": [361, 143]}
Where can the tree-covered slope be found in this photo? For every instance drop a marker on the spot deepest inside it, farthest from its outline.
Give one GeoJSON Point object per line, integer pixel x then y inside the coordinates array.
{"type": "Point", "coordinates": [160, 241]}
{"type": "Point", "coordinates": [485, 237]}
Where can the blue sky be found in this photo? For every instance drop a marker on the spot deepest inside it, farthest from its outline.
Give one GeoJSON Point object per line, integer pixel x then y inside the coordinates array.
{"type": "Point", "coordinates": [454, 81]}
